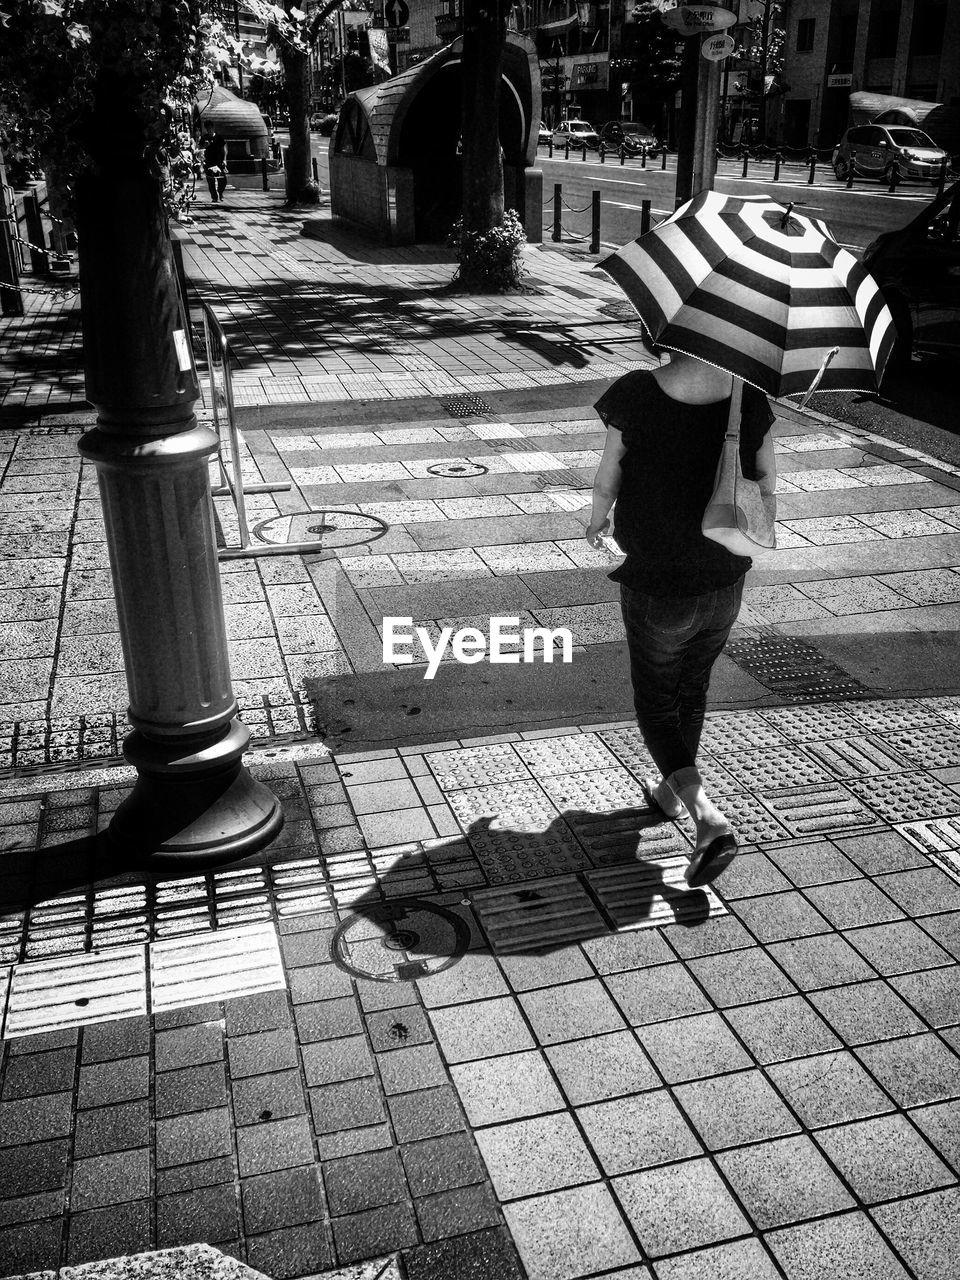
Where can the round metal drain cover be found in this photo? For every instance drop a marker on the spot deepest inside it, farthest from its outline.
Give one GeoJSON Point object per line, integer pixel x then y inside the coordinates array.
{"type": "Point", "coordinates": [326, 528]}
{"type": "Point", "coordinates": [399, 940]}
{"type": "Point", "coordinates": [457, 468]}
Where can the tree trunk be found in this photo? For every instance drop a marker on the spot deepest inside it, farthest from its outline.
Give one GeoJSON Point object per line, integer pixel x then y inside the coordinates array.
{"type": "Point", "coordinates": [484, 37]}
{"type": "Point", "coordinates": [300, 185]}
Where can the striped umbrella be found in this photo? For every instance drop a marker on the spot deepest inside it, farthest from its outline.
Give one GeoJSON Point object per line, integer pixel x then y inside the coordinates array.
{"type": "Point", "coordinates": [745, 284]}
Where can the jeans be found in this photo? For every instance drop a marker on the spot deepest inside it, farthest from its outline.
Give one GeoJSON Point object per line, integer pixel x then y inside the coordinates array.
{"type": "Point", "coordinates": [673, 643]}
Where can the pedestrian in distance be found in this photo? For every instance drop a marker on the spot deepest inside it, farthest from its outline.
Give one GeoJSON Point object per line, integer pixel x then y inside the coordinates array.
{"type": "Point", "coordinates": [680, 591]}
{"type": "Point", "coordinates": [215, 162]}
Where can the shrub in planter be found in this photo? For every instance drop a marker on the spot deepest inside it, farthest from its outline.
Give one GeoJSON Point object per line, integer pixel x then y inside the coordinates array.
{"type": "Point", "coordinates": [490, 261]}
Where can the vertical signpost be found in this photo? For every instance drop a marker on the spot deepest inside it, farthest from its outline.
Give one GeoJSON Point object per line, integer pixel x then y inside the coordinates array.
{"type": "Point", "coordinates": [396, 14]}
{"type": "Point", "coordinates": [700, 24]}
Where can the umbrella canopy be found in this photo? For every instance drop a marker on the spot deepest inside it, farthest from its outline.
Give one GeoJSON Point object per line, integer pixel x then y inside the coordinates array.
{"type": "Point", "coordinates": [744, 284]}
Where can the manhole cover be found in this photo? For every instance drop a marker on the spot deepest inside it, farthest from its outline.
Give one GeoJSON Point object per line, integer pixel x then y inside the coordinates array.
{"type": "Point", "coordinates": [465, 406]}
{"type": "Point", "coordinates": [458, 468]}
{"type": "Point", "coordinates": [400, 940]}
{"type": "Point", "coordinates": [326, 528]}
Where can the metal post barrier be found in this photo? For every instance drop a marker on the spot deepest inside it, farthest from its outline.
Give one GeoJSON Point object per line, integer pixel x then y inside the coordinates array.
{"type": "Point", "coordinates": [232, 484]}
{"type": "Point", "coordinates": [851, 171]}
{"type": "Point", "coordinates": [895, 178]}
{"type": "Point", "coordinates": [583, 152]}
{"type": "Point", "coordinates": [550, 147]}
{"type": "Point", "coordinates": [603, 153]}
{"type": "Point", "coordinates": [595, 222]}
{"type": "Point", "coordinates": [746, 164]}
{"type": "Point", "coordinates": [316, 170]}
{"type": "Point", "coordinates": [264, 175]}
{"type": "Point", "coordinates": [663, 158]}
{"type": "Point", "coordinates": [777, 161]}
{"type": "Point", "coordinates": [566, 149]}
{"type": "Point", "coordinates": [644, 217]}
{"type": "Point", "coordinates": [643, 157]}
{"type": "Point", "coordinates": [556, 211]}
{"type": "Point", "coordinates": [813, 169]}
{"type": "Point", "coordinates": [11, 299]}
{"type": "Point", "coordinates": [623, 155]}
{"type": "Point", "coordinates": [942, 176]}
{"type": "Point", "coordinates": [34, 229]}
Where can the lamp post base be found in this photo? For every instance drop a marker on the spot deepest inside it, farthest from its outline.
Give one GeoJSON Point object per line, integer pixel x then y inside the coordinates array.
{"type": "Point", "coordinates": [194, 805]}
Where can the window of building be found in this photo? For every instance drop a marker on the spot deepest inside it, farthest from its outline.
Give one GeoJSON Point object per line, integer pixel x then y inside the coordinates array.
{"type": "Point", "coordinates": [929, 20]}
{"type": "Point", "coordinates": [805, 32]}
{"type": "Point", "coordinates": [884, 28]}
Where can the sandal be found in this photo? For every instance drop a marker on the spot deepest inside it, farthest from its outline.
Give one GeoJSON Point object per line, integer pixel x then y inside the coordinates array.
{"type": "Point", "coordinates": [648, 787]}
{"type": "Point", "coordinates": [707, 862]}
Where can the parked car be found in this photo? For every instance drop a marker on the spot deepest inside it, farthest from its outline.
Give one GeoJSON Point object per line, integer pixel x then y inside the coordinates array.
{"type": "Point", "coordinates": [918, 269]}
{"type": "Point", "coordinates": [579, 132]}
{"type": "Point", "coordinates": [544, 135]}
{"type": "Point", "coordinates": [324, 124]}
{"type": "Point", "coordinates": [633, 137]}
{"type": "Point", "coordinates": [872, 150]}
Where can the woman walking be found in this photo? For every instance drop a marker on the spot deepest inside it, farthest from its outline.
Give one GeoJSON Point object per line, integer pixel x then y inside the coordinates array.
{"type": "Point", "coordinates": [679, 591]}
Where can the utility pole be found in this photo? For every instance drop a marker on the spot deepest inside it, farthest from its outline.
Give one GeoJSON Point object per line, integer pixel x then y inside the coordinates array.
{"type": "Point", "coordinates": [705, 46]}
{"type": "Point", "coordinates": [236, 32]}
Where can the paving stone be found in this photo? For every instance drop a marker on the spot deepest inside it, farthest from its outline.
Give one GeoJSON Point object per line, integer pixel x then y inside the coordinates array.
{"type": "Point", "coordinates": [866, 1011]}
{"type": "Point", "coordinates": [376, 1231]}
{"type": "Point", "coordinates": [946, 930]}
{"type": "Point", "coordinates": [877, 852]}
{"type": "Point", "coordinates": [898, 947]}
{"type": "Point", "coordinates": [915, 1070]}
{"type": "Point", "coordinates": [403, 1070]}
{"type": "Point", "coordinates": [637, 1132]}
{"type": "Point", "coordinates": [719, 933]}
{"type": "Point", "coordinates": [618, 952]}
{"type": "Point", "coordinates": [293, 1251]}
{"type": "Point", "coordinates": [327, 1062]}
{"type": "Point", "coordinates": [679, 1206]}
{"type": "Point", "coordinates": [106, 1083]}
{"type": "Point", "coordinates": [479, 1030]}
{"type": "Point", "coordinates": [364, 1182]}
{"type": "Point", "coordinates": [847, 1245]}
{"type": "Point", "coordinates": [390, 1030]}
{"type": "Point", "coordinates": [189, 1046]}
{"type": "Point", "coordinates": [814, 862]}
{"type": "Point", "coordinates": [883, 1158]}
{"type": "Point", "coordinates": [778, 916]}
{"type": "Point", "coordinates": [921, 892]}
{"type": "Point", "coordinates": [602, 1067]}
{"type": "Point", "coordinates": [188, 1016]}
{"type": "Point", "coordinates": [319, 982]}
{"type": "Point", "coordinates": [261, 1011]}
{"type": "Point", "coordinates": [656, 994]}
{"type": "Point", "coordinates": [457, 1212]}
{"type": "Point", "coordinates": [35, 1119]}
{"type": "Point", "coordinates": [349, 1142]}
{"type": "Point", "coordinates": [275, 1096]}
{"type": "Point", "coordinates": [692, 1048]}
{"type": "Point", "coordinates": [274, 1144]}
{"type": "Point", "coordinates": [328, 1019]}
{"type": "Point", "coordinates": [567, 1233]}
{"type": "Point", "coordinates": [506, 1088]}
{"type": "Point", "coordinates": [109, 1233]}
{"type": "Point", "coordinates": [821, 961]}
{"type": "Point", "coordinates": [108, 1129]}
{"type": "Point", "coordinates": [191, 1089]}
{"type": "Point", "coordinates": [570, 1011]}
{"type": "Point", "coordinates": [475, 976]}
{"type": "Point", "coordinates": [349, 1105]}
{"type": "Point", "coordinates": [941, 1126]}
{"type": "Point", "coordinates": [783, 1181]}
{"type": "Point", "coordinates": [30, 1074]}
{"type": "Point", "coordinates": [925, 1231]}
{"type": "Point", "coordinates": [207, 1213]}
{"type": "Point", "coordinates": [732, 1110]}
{"type": "Point", "coordinates": [32, 1247]}
{"type": "Point", "coordinates": [110, 1179]}
{"type": "Point", "coordinates": [738, 1260]}
{"type": "Point", "coordinates": [852, 903]}
{"type": "Point", "coordinates": [440, 1164]}
{"type": "Point", "coordinates": [285, 1199]}
{"type": "Point", "coordinates": [750, 975]}
{"type": "Point", "coordinates": [828, 1089]}
{"type": "Point", "coordinates": [750, 875]}
{"type": "Point", "coordinates": [527, 972]}
{"type": "Point", "coordinates": [202, 1135]}
{"type": "Point", "coordinates": [303, 949]}
{"type": "Point", "coordinates": [425, 1113]}
{"type": "Point", "coordinates": [124, 1038]}
{"type": "Point", "coordinates": [23, 1209]}
{"type": "Point", "coordinates": [262, 1053]}
{"type": "Point", "coordinates": [781, 1029]}
{"type": "Point", "coordinates": [189, 1177]}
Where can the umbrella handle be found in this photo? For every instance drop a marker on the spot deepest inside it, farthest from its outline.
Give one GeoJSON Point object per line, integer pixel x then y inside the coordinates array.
{"type": "Point", "coordinates": [825, 365]}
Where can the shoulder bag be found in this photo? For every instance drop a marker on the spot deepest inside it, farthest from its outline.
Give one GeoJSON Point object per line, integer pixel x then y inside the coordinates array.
{"type": "Point", "coordinates": [738, 515]}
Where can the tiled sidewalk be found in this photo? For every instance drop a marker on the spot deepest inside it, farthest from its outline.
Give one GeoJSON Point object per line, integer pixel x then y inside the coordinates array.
{"type": "Point", "coordinates": [524, 1048]}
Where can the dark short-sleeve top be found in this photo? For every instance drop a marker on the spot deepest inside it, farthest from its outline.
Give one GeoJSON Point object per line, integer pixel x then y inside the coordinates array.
{"type": "Point", "coordinates": [668, 474]}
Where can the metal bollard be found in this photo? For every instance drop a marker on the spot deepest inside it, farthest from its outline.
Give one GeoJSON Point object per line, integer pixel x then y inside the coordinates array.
{"type": "Point", "coordinates": [316, 170]}
{"type": "Point", "coordinates": [264, 173]}
{"type": "Point", "coordinates": [566, 149]}
{"type": "Point", "coordinates": [556, 211]}
{"type": "Point", "coordinates": [942, 176]}
{"type": "Point", "coordinates": [895, 178]}
{"type": "Point", "coordinates": [850, 175]}
{"type": "Point", "coordinates": [34, 227]}
{"type": "Point", "coordinates": [746, 164]}
{"type": "Point", "coordinates": [603, 153]}
{"type": "Point", "coordinates": [11, 299]}
{"type": "Point", "coordinates": [550, 147]}
{"type": "Point", "coordinates": [643, 157]}
{"type": "Point", "coordinates": [644, 217]}
{"type": "Point", "coordinates": [663, 158]}
{"type": "Point", "coordinates": [583, 152]}
{"type": "Point", "coordinates": [595, 223]}
{"type": "Point", "coordinates": [777, 161]}
{"type": "Point", "coordinates": [813, 169]}
{"type": "Point", "coordinates": [623, 155]}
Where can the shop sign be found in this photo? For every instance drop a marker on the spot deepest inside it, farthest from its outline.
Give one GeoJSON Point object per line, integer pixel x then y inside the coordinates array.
{"type": "Point", "coordinates": [689, 19]}
{"type": "Point", "coordinates": [716, 48]}
{"type": "Point", "coordinates": [840, 81]}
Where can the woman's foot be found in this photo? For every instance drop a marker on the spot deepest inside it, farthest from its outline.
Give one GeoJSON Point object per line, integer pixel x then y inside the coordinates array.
{"type": "Point", "coordinates": [716, 842]}
{"type": "Point", "coordinates": [714, 851]}
{"type": "Point", "coordinates": [661, 796]}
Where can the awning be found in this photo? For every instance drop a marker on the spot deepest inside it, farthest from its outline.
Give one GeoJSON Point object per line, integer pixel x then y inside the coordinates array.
{"type": "Point", "coordinates": [559, 28]}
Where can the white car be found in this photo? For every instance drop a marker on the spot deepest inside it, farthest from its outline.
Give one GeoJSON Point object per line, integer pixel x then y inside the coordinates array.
{"type": "Point", "coordinates": [579, 132]}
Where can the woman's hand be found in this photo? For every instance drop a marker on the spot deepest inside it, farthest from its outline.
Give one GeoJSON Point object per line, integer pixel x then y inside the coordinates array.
{"type": "Point", "coordinates": [595, 532]}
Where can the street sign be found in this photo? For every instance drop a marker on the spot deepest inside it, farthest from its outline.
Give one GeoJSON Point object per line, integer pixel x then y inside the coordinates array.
{"type": "Point", "coordinates": [396, 12]}
{"type": "Point", "coordinates": [839, 81]}
{"type": "Point", "coordinates": [688, 19]}
{"type": "Point", "coordinates": [716, 48]}
{"type": "Point", "coordinates": [398, 35]}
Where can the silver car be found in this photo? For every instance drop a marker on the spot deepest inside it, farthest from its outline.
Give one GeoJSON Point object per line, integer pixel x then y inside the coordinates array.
{"type": "Point", "coordinates": [872, 151]}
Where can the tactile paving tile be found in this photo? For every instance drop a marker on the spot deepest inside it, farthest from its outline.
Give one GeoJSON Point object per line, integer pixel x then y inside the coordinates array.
{"type": "Point", "coordinates": [595, 792]}
{"type": "Point", "coordinates": [465, 406]}
{"type": "Point", "coordinates": [727, 732]}
{"type": "Point", "coordinates": [856, 757]}
{"type": "Point", "coordinates": [936, 835]}
{"type": "Point", "coordinates": [231, 962]}
{"type": "Point", "coordinates": [627, 745]}
{"type": "Point", "coordinates": [474, 766]}
{"type": "Point", "coordinates": [752, 822]}
{"type": "Point", "coordinates": [770, 769]}
{"type": "Point", "coordinates": [74, 990]}
{"type": "Point", "coordinates": [570, 754]}
{"type": "Point", "coordinates": [804, 724]}
{"type": "Point", "coordinates": [542, 914]}
{"type": "Point", "coordinates": [613, 839]}
{"type": "Point", "coordinates": [947, 707]}
{"type": "Point", "coordinates": [789, 665]}
{"type": "Point", "coordinates": [899, 797]}
{"type": "Point", "coordinates": [646, 894]}
{"type": "Point", "coordinates": [932, 747]}
{"type": "Point", "coordinates": [516, 833]}
{"type": "Point", "coordinates": [819, 809]}
{"type": "Point", "coordinates": [887, 716]}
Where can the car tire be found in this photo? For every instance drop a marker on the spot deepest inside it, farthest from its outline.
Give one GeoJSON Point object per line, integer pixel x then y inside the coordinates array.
{"type": "Point", "coordinates": [899, 361]}
{"type": "Point", "coordinates": [842, 169]}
